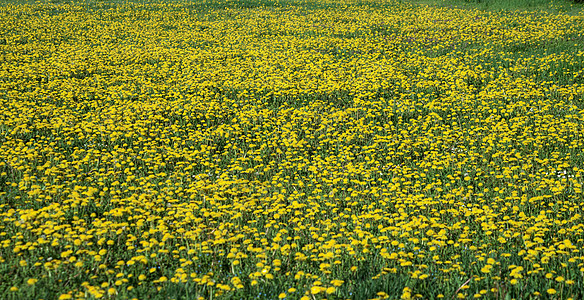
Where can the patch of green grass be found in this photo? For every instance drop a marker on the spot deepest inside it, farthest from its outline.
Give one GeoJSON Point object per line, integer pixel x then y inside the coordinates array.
{"type": "Point", "coordinates": [554, 6]}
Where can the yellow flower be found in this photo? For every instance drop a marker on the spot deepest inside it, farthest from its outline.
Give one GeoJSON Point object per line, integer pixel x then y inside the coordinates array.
{"type": "Point", "coordinates": [406, 293]}
{"type": "Point", "coordinates": [551, 291]}
{"type": "Point", "coordinates": [315, 290]}
{"type": "Point", "coordinates": [282, 295]}
{"type": "Point", "coordinates": [31, 281]}
{"type": "Point", "coordinates": [66, 254]}
{"type": "Point", "coordinates": [337, 282]}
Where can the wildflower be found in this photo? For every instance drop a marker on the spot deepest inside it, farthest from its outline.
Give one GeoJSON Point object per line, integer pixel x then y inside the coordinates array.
{"type": "Point", "coordinates": [315, 290]}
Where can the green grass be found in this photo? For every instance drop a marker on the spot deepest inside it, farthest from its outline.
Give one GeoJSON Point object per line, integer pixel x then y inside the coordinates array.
{"type": "Point", "coordinates": [553, 6]}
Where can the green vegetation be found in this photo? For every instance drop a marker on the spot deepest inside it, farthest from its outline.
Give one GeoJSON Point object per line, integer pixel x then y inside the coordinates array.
{"type": "Point", "coordinates": [291, 149]}
{"type": "Point", "coordinates": [554, 6]}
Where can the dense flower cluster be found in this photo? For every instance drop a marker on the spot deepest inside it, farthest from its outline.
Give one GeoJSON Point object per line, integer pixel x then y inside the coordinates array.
{"type": "Point", "coordinates": [290, 149]}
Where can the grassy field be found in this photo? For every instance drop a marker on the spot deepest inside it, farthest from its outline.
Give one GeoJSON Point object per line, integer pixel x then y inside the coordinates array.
{"type": "Point", "coordinates": [291, 149]}
{"type": "Point", "coordinates": [572, 7]}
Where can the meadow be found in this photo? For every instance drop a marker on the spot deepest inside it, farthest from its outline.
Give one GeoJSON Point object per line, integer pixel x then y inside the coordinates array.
{"type": "Point", "coordinates": [291, 149]}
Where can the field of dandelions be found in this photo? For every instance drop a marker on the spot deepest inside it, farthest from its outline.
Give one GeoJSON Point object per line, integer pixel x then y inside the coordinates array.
{"type": "Point", "coordinates": [290, 149]}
